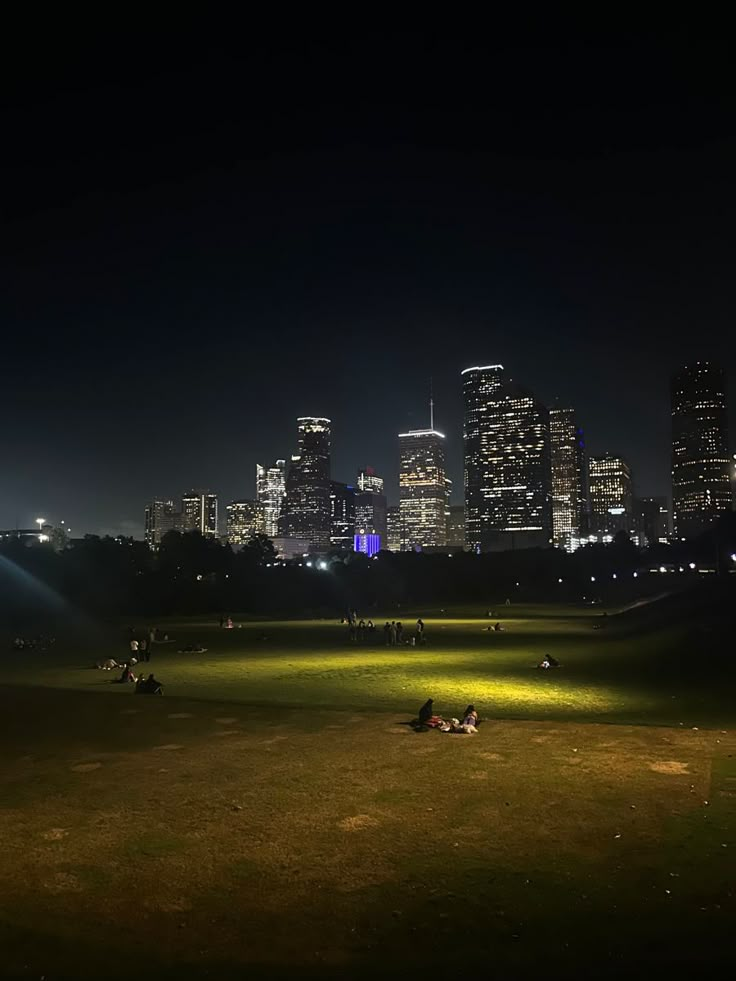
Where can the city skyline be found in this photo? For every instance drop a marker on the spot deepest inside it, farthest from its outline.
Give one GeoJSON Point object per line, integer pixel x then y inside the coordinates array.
{"type": "Point", "coordinates": [173, 299]}
{"type": "Point", "coordinates": [267, 478]}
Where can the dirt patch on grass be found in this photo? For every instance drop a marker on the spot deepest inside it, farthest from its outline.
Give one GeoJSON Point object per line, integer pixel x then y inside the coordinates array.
{"type": "Point", "coordinates": [672, 767]}
{"type": "Point", "coordinates": [54, 834]}
{"type": "Point", "coordinates": [226, 721]}
{"type": "Point", "coordinates": [180, 715]}
{"type": "Point", "coordinates": [169, 746]}
{"type": "Point", "coordinates": [85, 767]}
{"type": "Point", "coordinates": [359, 822]}
{"type": "Point", "coordinates": [62, 882]}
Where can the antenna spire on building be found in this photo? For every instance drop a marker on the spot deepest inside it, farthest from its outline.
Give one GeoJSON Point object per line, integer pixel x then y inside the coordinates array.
{"type": "Point", "coordinates": [431, 405]}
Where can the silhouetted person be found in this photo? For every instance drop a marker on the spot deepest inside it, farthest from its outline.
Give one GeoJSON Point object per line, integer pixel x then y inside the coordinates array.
{"type": "Point", "coordinates": [426, 712]}
{"type": "Point", "coordinates": [399, 631]}
{"type": "Point", "coordinates": [387, 634]}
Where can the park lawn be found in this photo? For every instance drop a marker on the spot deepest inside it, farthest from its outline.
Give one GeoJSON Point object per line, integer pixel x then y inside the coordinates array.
{"type": "Point", "coordinates": [166, 837]}
{"type": "Point", "coordinates": [607, 674]}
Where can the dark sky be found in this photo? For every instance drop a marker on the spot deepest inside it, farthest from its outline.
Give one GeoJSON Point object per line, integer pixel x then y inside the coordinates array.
{"type": "Point", "coordinates": [206, 234]}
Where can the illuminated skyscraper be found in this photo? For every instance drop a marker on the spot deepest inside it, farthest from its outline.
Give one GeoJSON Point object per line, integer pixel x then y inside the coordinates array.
{"type": "Point", "coordinates": [342, 515]}
{"type": "Point", "coordinates": [700, 462]}
{"type": "Point", "coordinates": [244, 520]}
{"type": "Point", "coordinates": [160, 516]}
{"type": "Point", "coordinates": [456, 527]}
{"type": "Point", "coordinates": [569, 479]}
{"type": "Point", "coordinates": [507, 464]}
{"type": "Point", "coordinates": [305, 512]}
{"type": "Point", "coordinates": [199, 513]}
{"type": "Point", "coordinates": [270, 492]}
{"type": "Point", "coordinates": [368, 480]}
{"type": "Point", "coordinates": [479, 384]}
{"type": "Point", "coordinates": [370, 505]}
{"type": "Point", "coordinates": [422, 489]}
{"type": "Point", "coordinates": [611, 498]}
{"type": "Point", "coordinates": [393, 528]}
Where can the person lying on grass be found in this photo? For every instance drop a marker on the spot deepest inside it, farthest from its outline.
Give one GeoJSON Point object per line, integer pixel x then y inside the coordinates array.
{"type": "Point", "coordinates": [193, 649]}
{"type": "Point", "coordinates": [548, 662]}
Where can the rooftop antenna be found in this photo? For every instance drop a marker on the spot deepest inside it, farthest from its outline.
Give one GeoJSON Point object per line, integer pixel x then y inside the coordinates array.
{"type": "Point", "coordinates": [431, 406]}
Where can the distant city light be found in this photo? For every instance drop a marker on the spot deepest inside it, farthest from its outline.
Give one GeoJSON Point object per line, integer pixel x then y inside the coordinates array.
{"type": "Point", "coordinates": [692, 565]}
{"type": "Point", "coordinates": [323, 565]}
{"type": "Point", "coordinates": [309, 565]}
{"type": "Point", "coordinates": [636, 575]}
{"type": "Point", "coordinates": [614, 576]}
{"type": "Point", "coordinates": [592, 578]}
{"type": "Point", "coordinates": [662, 569]}
{"type": "Point", "coordinates": [559, 580]}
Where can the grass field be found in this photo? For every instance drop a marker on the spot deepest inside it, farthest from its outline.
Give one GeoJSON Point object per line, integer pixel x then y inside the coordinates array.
{"type": "Point", "coordinates": [273, 813]}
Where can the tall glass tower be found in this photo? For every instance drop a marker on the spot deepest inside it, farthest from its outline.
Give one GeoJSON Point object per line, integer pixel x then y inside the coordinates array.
{"type": "Point", "coordinates": [611, 495]}
{"type": "Point", "coordinates": [507, 464]}
{"type": "Point", "coordinates": [305, 513]}
{"type": "Point", "coordinates": [422, 489]}
{"type": "Point", "coordinates": [479, 385]}
{"type": "Point", "coordinates": [701, 489]}
{"type": "Point", "coordinates": [199, 513]}
{"type": "Point", "coordinates": [270, 491]}
{"type": "Point", "coordinates": [569, 479]}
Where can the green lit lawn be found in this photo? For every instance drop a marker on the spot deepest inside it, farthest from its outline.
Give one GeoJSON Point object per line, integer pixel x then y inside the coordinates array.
{"type": "Point", "coordinates": [607, 675]}
{"type": "Point", "coordinates": [273, 817]}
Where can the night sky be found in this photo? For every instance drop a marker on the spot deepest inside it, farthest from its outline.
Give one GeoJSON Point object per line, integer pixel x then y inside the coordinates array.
{"type": "Point", "coordinates": [206, 235]}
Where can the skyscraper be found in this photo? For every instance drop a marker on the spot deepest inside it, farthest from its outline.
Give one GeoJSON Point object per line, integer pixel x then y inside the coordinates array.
{"type": "Point", "coordinates": [393, 528]}
{"type": "Point", "coordinates": [507, 464]}
{"type": "Point", "coordinates": [342, 515]}
{"type": "Point", "coordinates": [456, 526]}
{"type": "Point", "coordinates": [159, 519]}
{"type": "Point", "coordinates": [479, 384]}
{"type": "Point", "coordinates": [305, 512]}
{"type": "Point", "coordinates": [199, 513]}
{"type": "Point", "coordinates": [422, 489]}
{"type": "Point", "coordinates": [651, 520]}
{"type": "Point", "coordinates": [700, 463]}
{"type": "Point", "coordinates": [611, 498]}
{"type": "Point", "coordinates": [569, 479]}
{"type": "Point", "coordinates": [370, 505]}
{"type": "Point", "coordinates": [244, 520]}
{"type": "Point", "coordinates": [270, 492]}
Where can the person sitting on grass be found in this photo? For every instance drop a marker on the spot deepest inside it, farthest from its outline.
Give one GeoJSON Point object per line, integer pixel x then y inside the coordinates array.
{"type": "Point", "coordinates": [127, 676]}
{"type": "Point", "coordinates": [149, 687]}
{"type": "Point", "coordinates": [497, 625]}
{"type": "Point", "coordinates": [426, 712]}
{"type": "Point", "coordinates": [548, 662]}
{"type": "Point", "coordinates": [470, 716]}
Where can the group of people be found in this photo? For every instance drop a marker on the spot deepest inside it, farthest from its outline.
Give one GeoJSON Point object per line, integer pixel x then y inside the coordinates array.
{"type": "Point", "coordinates": [393, 633]}
{"type": "Point", "coordinates": [40, 643]}
{"type": "Point", "coordinates": [360, 630]}
{"type": "Point", "coordinates": [467, 724]}
{"type": "Point", "coordinates": [140, 649]}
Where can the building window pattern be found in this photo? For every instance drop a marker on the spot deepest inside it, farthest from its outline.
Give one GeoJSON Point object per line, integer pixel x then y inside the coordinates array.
{"type": "Point", "coordinates": [479, 386]}
{"type": "Point", "coordinates": [422, 490]}
{"type": "Point", "coordinates": [159, 519]}
{"type": "Point", "coordinates": [199, 513]}
{"type": "Point", "coordinates": [370, 504]}
{"type": "Point", "coordinates": [245, 519]}
{"type": "Point", "coordinates": [701, 488]}
{"type": "Point", "coordinates": [511, 506]}
{"type": "Point", "coordinates": [342, 515]}
{"type": "Point", "coordinates": [569, 478]}
{"type": "Point", "coordinates": [270, 492]}
{"type": "Point", "coordinates": [611, 499]}
{"type": "Point", "coordinates": [305, 513]}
